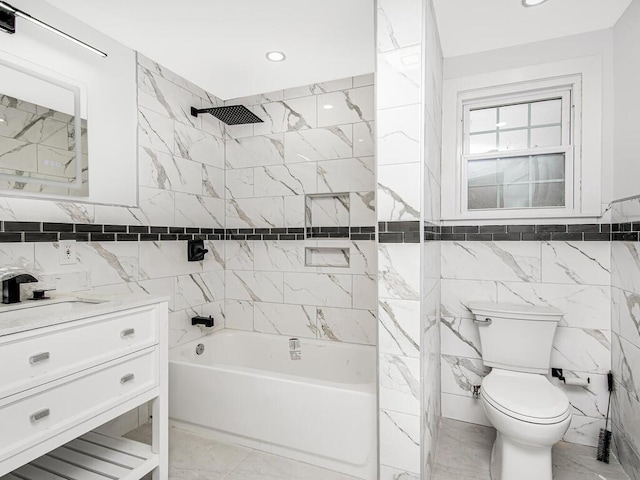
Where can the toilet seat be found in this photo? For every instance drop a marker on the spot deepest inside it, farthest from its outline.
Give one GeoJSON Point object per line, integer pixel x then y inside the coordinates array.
{"type": "Point", "coordinates": [526, 397]}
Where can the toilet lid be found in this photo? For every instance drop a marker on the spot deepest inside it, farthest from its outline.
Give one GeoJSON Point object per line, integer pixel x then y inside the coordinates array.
{"type": "Point", "coordinates": [525, 396]}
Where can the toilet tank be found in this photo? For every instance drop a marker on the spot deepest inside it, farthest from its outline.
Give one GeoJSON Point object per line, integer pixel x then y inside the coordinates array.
{"type": "Point", "coordinates": [516, 337]}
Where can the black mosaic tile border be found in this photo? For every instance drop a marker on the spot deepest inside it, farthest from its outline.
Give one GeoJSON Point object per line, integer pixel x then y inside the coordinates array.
{"type": "Point", "coordinates": [52, 232]}
{"type": "Point", "coordinates": [521, 233]}
{"type": "Point", "coordinates": [408, 232]}
{"type": "Point", "coordinates": [399, 232]}
{"type": "Point", "coordinates": [388, 232]}
{"type": "Point", "coordinates": [625, 232]}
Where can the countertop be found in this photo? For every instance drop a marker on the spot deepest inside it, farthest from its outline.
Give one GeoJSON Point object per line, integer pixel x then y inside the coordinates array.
{"type": "Point", "coordinates": [23, 316]}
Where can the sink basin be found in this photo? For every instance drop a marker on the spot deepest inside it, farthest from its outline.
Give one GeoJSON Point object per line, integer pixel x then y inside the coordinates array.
{"type": "Point", "coordinates": [30, 309]}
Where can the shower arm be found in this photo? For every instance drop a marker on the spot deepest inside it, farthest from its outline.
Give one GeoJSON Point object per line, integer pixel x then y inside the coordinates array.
{"type": "Point", "coordinates": [196, 111]}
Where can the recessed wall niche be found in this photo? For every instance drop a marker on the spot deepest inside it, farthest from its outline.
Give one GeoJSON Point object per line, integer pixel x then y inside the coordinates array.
{"type": "Point", "coordinates": [337, 257]}
{"type": "Point", "coordinates": [327, 210]}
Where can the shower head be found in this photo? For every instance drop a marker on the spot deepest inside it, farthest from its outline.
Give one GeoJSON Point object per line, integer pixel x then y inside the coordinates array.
{"type": "Point", "coordinates": [231, 115]}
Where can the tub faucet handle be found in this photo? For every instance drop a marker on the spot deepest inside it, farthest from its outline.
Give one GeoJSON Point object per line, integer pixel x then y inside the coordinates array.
{"type": "Point", "coordinates": [206, 321]}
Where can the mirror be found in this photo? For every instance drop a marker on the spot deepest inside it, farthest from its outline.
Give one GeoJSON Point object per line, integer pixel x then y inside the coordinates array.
{"type": "Point", "coordinates": [40, 120]}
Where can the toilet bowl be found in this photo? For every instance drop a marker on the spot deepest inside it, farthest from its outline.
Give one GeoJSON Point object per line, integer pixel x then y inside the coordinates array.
{"type": "Point", "coordinates": [528, 412]}
{"type": "Point", "coordinates": [530, 415]}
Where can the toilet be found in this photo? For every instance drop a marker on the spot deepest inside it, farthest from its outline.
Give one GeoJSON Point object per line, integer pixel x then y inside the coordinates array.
{"type": "Point", "coordinates": [528, 412]}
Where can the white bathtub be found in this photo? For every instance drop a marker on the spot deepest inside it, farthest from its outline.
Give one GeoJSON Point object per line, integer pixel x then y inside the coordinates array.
{"type": "Point", "coordinates": [245, 389]}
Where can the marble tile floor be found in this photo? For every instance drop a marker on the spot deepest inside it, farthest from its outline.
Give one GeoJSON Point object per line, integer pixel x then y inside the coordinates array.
{"type": "Point", "coordinates": [192, 457]}
{"type": "Point", "coordinates": [570, 461]}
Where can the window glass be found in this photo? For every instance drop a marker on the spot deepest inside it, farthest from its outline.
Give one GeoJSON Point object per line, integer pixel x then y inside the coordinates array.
{"type": "Point", "coordinates": [546, 137]}
{"type": "Point", "coordinates": [514, 116]}
{"type": "Point", "coordinates": [515, 127]}
{"type": "Point", "coordinates": [482, 198]}
{"type": "Point", "coordinates": [515, 196]}
{"type": "Point", "coordinates": [514, 140]}
{"type": "Point", "coordinates": [483, 143]}
{"type": "Point", "coordinates": [482, 172]}
{"type": "Point", "coordinates": [549, 195]}
{"type": "Point", "coordinates": [513, 170]}
{"type": "Point", "coordinates": [516, 182]}
{"type": "Point", "coordinates": [548, 112]}
{"type": "Point", "coordinates": [549, 167]}
{"type": "Point", "coordinates": [483, 120]}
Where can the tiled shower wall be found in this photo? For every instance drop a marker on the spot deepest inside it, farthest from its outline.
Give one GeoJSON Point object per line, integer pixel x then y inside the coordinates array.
{"type": "Point", "coordinates": [310, 164]}
{"type": "Point", "coordinates": [408, 111]}
{"type": "Point", "coordinates": [431, 275]}
{"type": "Point", "coordinates": [625, 281]}
{"type": "Point", "coordinates": [181, 177]}
{"type": "Point", "coordinates": [571, 276]}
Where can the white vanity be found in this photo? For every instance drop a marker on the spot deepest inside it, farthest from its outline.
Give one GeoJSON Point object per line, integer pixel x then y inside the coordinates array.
{"type": "Point", "coordinates": [69, 365]}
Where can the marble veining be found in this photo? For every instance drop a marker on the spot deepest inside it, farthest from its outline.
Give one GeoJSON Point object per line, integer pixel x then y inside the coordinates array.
{"type": "Point", "coordinates": [399, 331]}
{"type": "Point", "coordinates": [286, 116]}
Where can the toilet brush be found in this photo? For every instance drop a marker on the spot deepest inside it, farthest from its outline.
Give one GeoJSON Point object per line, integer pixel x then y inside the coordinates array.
{"type": "Point", "coordinates": [604, 440]}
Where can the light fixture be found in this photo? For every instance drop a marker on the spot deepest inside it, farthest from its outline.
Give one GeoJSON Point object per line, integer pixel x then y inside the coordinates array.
{"type": "Point", "coordinates": [8, 14]}
{"type": "Point", "coordinates": [327, 106]}
{"type": "Point", "coordinates": [532, 3]}
{"type": "Point", "coordinates": [276, 56]}
{"type": "Point", "coordinates": [2, 119]}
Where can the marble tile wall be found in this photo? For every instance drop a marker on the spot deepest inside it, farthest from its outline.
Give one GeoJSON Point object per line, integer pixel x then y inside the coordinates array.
{"type": "Point", "coordinates": [408, 83]}
{"type": "Point", "coordinates": [572, 276]}
{"type": "Point", "coordinates": [431, 251]}
{"type": "Point", "coordinates": [625, 314]}
{"type": "Point", "coordinates": [311, 163]}
{"type": "Point", "coordinates": [181, 183]}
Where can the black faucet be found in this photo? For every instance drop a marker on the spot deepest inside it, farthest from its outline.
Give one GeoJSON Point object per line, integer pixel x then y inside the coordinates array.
{"type": "Point", "coordinates": [11, 286]}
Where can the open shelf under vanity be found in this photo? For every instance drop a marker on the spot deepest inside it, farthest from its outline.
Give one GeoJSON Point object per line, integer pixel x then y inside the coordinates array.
{"type": "Point", "coordinates": [92, 456]}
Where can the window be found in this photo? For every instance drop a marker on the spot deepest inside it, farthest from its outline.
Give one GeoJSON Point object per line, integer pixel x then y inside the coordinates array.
{"type": "Point", "coordinates": [525, 142]}
{"type": "Point", "coordinates": [517, 151]}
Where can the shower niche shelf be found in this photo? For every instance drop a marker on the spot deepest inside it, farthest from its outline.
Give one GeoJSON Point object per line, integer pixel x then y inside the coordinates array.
{"type": "Point", "coordinates": [335, 257]}
{"type": "Point", "coordinates": [325, 213]}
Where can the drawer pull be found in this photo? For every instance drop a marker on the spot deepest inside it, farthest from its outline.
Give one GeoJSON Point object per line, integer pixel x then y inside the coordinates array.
{"type": "Point", "coordinates": [40, 357]}
{"type": "Point", "coordinates": [127, 378]}
{"type": "Point", "coordinates": [39, 415]}
{"type": "Point", "coordinates": [127, 332]}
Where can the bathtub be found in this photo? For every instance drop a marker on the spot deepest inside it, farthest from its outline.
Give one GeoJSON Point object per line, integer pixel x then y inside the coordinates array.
{"type": "Point", "coordinates": [245, 389]}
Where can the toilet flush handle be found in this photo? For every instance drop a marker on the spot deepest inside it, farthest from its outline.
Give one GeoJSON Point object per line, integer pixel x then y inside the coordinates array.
{"type": "Point", "coordinates": [486, 322]}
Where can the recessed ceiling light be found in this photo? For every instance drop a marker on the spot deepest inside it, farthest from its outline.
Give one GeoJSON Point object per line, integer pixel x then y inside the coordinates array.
{"type": "Point", "coordinates": [1, 119]}
{"type": "Point", "coordinates": [276, 56]}
{"type": "Point", "coordinates": [327, 107]}
{"type": "Point", "coordinates": [532, 3]}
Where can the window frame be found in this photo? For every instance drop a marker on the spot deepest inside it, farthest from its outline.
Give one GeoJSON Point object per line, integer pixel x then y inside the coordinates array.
{"type": "Point", "coordinates": [518, 93]}
{"type": "Point", "coordinates": [592, 173]}
{"type": "Point", "coordinates": [566, 94]}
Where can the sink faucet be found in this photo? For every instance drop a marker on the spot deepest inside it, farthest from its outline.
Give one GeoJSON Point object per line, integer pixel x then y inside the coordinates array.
{"type": "Point", "coordinates": [11, 281]}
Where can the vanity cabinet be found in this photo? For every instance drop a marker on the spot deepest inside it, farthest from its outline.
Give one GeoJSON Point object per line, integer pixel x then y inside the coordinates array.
{"type": "Point", "coordinates": [60, 382]}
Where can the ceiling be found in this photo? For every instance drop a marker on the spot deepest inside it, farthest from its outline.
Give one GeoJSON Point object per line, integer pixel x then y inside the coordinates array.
{"type": "Point", "coordinates": [469, 26]}
{"type": "Point", "coordinates": [220, 45]}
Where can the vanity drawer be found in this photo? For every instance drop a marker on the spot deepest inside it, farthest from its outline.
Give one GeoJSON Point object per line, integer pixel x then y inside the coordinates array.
{"type": "Point", "coordinates": [35, 417]}
{"type": "Point", "coordinates": [43, 355]}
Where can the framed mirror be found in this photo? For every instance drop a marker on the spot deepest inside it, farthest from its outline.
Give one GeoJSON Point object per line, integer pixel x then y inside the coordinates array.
{"type": "Point", "coordinates": [43, 137]}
